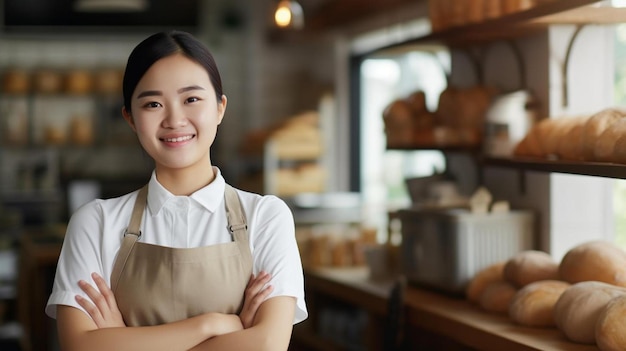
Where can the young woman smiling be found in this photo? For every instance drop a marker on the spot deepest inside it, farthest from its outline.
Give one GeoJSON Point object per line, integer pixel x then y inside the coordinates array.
{"type": "Point", "coordinates": [187, 262]}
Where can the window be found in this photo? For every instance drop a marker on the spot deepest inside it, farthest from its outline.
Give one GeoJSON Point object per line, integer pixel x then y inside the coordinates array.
{"type": "Point", "coordinates": [384, 77]}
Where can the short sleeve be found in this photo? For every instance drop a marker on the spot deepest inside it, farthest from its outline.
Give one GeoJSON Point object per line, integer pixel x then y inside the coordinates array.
{"type": "Point", "coordinates": [275, 250]}
{"type": "Point", "coordinates": [80, 256]}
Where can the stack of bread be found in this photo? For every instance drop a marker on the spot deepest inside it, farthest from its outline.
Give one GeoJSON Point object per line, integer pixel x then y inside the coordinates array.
{"type": "Point", "coordinates": [600, 137]}
{"type": "Point", "coordinates": [583, 296]}
{"type": "Point", "coordinates": [458, 121]}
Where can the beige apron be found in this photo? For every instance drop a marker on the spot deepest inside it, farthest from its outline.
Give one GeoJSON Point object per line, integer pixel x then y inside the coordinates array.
{"type": "Point", "coordinates": [156, 284]}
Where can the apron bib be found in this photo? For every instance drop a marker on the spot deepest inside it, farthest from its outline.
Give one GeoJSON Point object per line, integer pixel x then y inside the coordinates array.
{"type": "Point", "coordinates": [155, 284]}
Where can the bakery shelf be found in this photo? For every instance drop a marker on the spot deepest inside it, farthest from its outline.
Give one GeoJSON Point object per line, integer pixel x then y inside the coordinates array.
{"type": "Point", "coordinates": [598, 169]}
{"type": "Point", "coordinates": [525, 22]}
{"type": "Point", "coordinates": [449, 148]}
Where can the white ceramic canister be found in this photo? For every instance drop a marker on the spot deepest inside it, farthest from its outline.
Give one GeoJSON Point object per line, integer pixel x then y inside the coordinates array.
{"type": "Point", "coordinates": [508, 119]}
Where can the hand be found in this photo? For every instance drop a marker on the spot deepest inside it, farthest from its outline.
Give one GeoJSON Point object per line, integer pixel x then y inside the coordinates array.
{"type": "Point", "coordinates": [255, 294]}
{"type": "Point", "coordinates": [102, 308]}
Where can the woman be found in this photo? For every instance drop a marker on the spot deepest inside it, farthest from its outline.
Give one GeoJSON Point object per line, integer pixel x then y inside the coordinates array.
{"type": "Point", "coordinates": [187, 262]}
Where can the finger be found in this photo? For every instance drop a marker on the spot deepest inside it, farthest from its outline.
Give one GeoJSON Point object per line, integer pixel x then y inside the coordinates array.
{"type": "Point", "coordinates": [257, 284]}
{"type": "Point", "coordinates": [104, 289]}
{"type": "Point", "coordinates": [253, 279]}
{"type": "Point", "coordinates": [258, 299]}
{"type": "Point", "coordinates": [253, 304]}
{"type": "Point", "coordinates": [94, 295]}
{"type": "Point", "coordinates": [90, 308]}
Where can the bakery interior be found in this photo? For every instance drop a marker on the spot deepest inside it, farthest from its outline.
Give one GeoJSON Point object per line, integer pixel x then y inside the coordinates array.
{"type": "Point", "coordinates": [454, 167]}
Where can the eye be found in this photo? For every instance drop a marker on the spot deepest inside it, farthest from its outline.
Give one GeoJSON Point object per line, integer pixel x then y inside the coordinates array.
{"type": "Point", "coordinates": [152, 104]}
{"type": "Point", "coordinates": [191, 99]}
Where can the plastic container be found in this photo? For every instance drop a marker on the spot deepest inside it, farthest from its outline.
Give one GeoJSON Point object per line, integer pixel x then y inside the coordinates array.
{"type": "Point", "coordinates": [444, 249]}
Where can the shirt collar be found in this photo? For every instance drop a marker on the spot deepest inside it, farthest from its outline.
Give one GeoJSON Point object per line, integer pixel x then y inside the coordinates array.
{"type": "Point", "coordinates": [209, 197]}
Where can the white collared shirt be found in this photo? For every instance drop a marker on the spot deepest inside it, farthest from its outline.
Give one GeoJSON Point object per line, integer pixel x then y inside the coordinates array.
{"type": "Point", "coordinates": [94, 235]}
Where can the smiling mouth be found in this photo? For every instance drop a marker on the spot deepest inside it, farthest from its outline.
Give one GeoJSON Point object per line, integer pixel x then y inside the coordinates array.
{"type": "Point", "coordinates": [179, 139]}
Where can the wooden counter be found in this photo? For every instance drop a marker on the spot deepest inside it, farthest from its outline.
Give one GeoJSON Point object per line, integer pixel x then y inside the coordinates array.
{"type": "Point", "coordinates": [447, 317]}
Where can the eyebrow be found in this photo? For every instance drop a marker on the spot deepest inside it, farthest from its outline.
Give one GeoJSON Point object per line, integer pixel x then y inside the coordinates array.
{"type": "Point", "coordinates": [159, 93]}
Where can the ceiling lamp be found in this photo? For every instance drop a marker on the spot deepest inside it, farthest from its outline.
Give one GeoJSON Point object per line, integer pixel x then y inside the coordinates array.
{"type": "Point", "coordinates": [110, 5]}
{"type": "Point", "coordinates": [289, 14]}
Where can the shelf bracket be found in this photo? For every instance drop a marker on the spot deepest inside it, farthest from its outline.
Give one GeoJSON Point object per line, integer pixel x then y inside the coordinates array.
{"type": "Point", "coordinates": [521, 65]}
{"type": "Point", "coordinates": [565, 65]}
{"type": "Point", "coordinates": [476, 61]}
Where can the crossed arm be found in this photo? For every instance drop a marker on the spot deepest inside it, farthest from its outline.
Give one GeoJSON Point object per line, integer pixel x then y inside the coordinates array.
{"type": "Point", "coordinates": [262, 325]}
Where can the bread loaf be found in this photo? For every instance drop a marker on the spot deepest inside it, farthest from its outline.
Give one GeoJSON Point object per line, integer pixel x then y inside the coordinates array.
{"type": "Point", "coordinates": [533, 305]}
{"type": "Point", "coordinates": [417, 101]}
{"type": "Point", "coordinates": [611, 326]}
{"type": "Point", "coordinates": [571, 146]}
{"type": "Point", "coordinates": [579, 307]}
{"type": "Point", "coordinates": [597, 260]}
{"type": "Point", "coordinates": [605, 145]}
{"type": "Point", "coordinates": [530, 266]}
{"type": "Point", "coordinates": [532, 144]}
{"type": "Point", "coordinates": [484, 277]}
{"type": "Point", "coordinates": [399, 123]}
{"type": "Point", "coordinates": [447, 108]}
{"type": "Point", "coordinates": [497, 297]}
{"type": "Point", "coordinates": [595, 126]}
{"type": "Point", "coordinates": [555, 133]}
{"type": "Point", "coordinates": [619, 150]}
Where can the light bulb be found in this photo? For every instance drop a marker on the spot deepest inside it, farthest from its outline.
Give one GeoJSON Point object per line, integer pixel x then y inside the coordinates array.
{"type": "Point", "coordinates": [283, 15]}
{"type": "Point", "coordinates": [289, 14]}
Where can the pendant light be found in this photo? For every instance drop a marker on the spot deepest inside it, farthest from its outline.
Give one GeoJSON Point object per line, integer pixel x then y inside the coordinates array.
{"type": "Point", "coordinates": [289, 14]}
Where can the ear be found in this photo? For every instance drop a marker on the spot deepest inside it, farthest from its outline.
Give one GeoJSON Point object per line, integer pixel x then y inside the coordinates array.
{"type": "Point", "coordinates": [129, 119]}
{"type": "Point", "coordinates": [221, 109]}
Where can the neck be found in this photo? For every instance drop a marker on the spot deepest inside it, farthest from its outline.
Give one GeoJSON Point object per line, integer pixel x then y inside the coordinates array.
{"type": "Point", "coordinates": [184, 182]}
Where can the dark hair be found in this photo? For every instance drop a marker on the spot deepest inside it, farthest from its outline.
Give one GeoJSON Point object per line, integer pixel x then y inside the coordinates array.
{"type": "Point", "coordinates": [163, 44]}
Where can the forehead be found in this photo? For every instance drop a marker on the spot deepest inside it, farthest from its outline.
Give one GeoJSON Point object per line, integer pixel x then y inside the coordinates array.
{"type": "Point", "coordinates": [174, 71]}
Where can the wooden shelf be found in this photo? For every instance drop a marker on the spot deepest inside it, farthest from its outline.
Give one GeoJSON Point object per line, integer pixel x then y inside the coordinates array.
{"type": "Point", "coordinates": [598, 13]}
{"type": "Point", "coordinates": [523, 23]}
{"type": "Point", "coordinates": [449, 318]}
{"type": "Point", "coordinates": [597, 169]}
{"type": "Point", "coordinates": [465, 323]}
{"type": "Point", "coordinates": [449, 148]}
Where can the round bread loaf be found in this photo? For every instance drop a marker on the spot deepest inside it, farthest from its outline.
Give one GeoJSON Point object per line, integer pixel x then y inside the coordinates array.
{"type": "Point", "coordinates": [497, 297]}
{"type": "Point", "coordinates": [447, 108]}
{"type": "Point", "coordinates": [399, 123]}
{"type": "Point", "coordinates": [417, 101]}
{"type": "Point", "coordinates": [533, 305]}
{"type": "Point", "coordinates": [481, 279]}
{"type": "Point", "coordinates": [605, 145]}
{"type": "Point", "coordinates": [611, 326]}
{"type": "Point", "coordinates": [619, 150]}
{"type": "Point", "coordinates": [571, 146]}
{"type": "Point", "coordinates": [596, 260]}
{"type": "Point", "coordinates": [595, 126]}
{"type": "Point", "coordinates": [530, 266]}
{"type": "Point", "coordinates": [555, 133]}
{"type": "Point", "coordinates": [533, 143]}
{"type": "Point", "coordinates": [579, 307]}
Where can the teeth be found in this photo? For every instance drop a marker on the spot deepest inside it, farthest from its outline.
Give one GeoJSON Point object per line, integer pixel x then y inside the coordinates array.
{"type": "Point", "coordinates": [178, 140]}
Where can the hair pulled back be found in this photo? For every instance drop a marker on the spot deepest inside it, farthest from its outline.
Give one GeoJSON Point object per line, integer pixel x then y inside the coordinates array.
{"type": "Point", "coordinates": [163, 44]}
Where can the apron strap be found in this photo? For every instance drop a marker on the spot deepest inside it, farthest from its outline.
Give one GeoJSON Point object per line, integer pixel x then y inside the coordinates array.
{"type": "Point", "coordinates": [237, 225]}
{"type": "Point", "coordinates": [131, 236]}
{"type": "Point", "coordinates": [234, 211]}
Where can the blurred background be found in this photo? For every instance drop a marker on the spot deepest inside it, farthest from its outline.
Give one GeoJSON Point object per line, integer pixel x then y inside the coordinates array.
{"type": "Point", "coordinates": [63, 140]}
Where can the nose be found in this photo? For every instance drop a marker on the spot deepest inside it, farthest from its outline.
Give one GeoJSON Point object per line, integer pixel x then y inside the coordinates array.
{"type": "Point", "coordinates": [174, 117]}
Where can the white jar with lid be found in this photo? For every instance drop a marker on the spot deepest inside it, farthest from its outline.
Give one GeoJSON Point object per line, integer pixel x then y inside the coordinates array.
{"type": "Point", "coordinates": [508, 119]}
